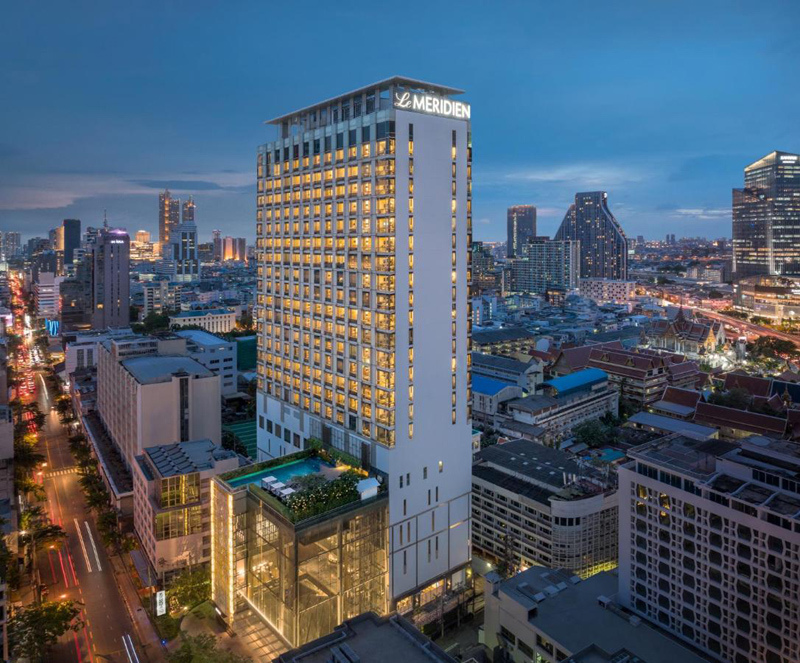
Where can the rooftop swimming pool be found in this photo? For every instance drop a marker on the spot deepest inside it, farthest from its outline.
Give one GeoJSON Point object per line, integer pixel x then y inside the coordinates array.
{"type": "Point", "coordinates": [287, 472]}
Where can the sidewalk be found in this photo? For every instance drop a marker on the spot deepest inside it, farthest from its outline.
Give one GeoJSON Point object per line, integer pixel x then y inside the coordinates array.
{"type": "Point", "coordinates": [146, 635]}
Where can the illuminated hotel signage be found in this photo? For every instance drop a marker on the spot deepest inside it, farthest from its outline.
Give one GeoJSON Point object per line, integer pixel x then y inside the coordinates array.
{"type": "Point", "coordinates": [431, 104]}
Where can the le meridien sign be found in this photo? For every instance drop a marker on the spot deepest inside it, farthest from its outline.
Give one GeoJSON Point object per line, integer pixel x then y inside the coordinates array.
{"type": "Point", "coordinates": [431, 104]}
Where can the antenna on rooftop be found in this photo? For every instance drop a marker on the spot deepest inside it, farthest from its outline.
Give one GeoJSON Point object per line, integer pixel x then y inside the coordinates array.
{"type": "Point", "coordinates": [105, 219]}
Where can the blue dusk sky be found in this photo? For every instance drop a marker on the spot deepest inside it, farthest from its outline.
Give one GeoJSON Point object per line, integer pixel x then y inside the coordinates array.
{"type": "Point", "coordinates": [661, 104]}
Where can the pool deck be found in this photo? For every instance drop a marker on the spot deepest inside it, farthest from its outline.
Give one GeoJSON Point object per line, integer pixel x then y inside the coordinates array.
{"type": "Point", "coordinates": [282, 473]}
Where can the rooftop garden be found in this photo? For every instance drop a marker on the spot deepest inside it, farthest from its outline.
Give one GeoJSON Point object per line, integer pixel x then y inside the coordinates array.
{"type": "Point", "coordinates": [315, 493]}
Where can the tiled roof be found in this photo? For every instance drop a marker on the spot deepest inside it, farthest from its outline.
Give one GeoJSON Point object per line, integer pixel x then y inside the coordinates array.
{"type": "Point", "coordinates": [720, 416]}
{"type": "Point", "coordinates": [752, 384]}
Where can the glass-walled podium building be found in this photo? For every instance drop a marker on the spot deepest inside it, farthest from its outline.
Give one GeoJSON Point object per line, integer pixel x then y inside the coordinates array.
{"type": "Point", "coordinates": [304, 565]}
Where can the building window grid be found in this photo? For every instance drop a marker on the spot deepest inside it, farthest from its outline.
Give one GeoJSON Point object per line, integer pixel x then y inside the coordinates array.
{"type": "Point", "coordinates": [646, 538]}
{"type": "Point", "coordinates": [369, 218]}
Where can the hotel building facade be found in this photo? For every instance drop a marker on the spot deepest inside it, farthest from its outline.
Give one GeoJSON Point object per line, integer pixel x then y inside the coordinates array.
{"type": "Point", "coordinates": [364, 229]}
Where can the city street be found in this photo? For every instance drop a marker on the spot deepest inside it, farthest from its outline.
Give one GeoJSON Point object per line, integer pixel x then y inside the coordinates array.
{"type": "Point", "coordinates": [81, 570]}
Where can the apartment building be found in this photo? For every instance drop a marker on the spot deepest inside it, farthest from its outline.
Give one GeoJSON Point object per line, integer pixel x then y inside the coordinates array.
{"type": "Point", "coordinates": [80, 348]}
{"type": "Point", "coordinates": [171, 512]}
{"type": "Point", "coordinates": [149, 392]}
{"type": "Point", "coordinates": [604, 291]}
{"type": "Point", "coordinates": [533, 505]}
{"type": "Point", "coordinates": [710, 542]}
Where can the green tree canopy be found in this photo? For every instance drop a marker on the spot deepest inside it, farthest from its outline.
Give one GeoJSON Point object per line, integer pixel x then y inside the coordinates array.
{"type": "Point", "coordinates": [203, 649]}
{"type": "Point", "coordinates": [191, 586]}
{"type": "Point", "coordinates": [34, 630]}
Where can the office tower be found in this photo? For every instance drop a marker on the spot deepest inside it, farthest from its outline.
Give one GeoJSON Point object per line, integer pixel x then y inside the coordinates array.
{"type": "Point", "coordinates": [46, 295]}
{"type": "Point", "coordinates": [169, 215]}
{"type": "Point", "coordinates": [10, 244]}
{"type": "Point", "coordinates": [37, 245]}
{"type": "Point", "coordinates": [183, 242]}
{"type": "Point", "coordinates": [484, 273]}
{"type": "Point", "coordinates": [544, 263]}
{"type": "Point", "coordinates": [766, 218]}
{"type": "Point", "coordinates": [640, 240]}
{"type": "Point", "coordinates": [216, 240]}
{"type": "Point", "coordinates": [363, 346]}
{"type": "Point", "coordinates": [44, 261]}
{"type": "Point", "coordinates": [76, 295]}
{"type": "Point", "coordinates": [110, 286]}
{"type": "Point", "coordinates": [142, 236]}
{"type": "Point", "coordinates": [188, 211]}
{"type": "Point", "coordinates": [604, 248]}
{"type": "Point", "coordinates": [241, 249]}
{"type": "Point", "coordinates": [71, 230]}
{"type": "Point", "coordinates": [709, 541]}
{"type": "Point", "coordinates": [521, 226]}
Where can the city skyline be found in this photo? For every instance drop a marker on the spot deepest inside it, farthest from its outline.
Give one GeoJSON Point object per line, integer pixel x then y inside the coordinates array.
{"type": "Point", "coordinates": [668, 156]}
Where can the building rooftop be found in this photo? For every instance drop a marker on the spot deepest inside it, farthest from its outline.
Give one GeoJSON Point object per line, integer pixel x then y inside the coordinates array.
{"type": "Point", "coordinates": [186, 457]}
{"type": "Point", "coordinates": [670, 424]}
{"type": "Point", "coordinates": [201, 337]}
{"type": "Point", "coordinates": [577, 381]}
{"type": "Point", "coordinates": [394, 81]}
{"type": "Point", "coordinates": [203, 312]}
{"type": "Point", "coordinates": [499, 362]}
{"type": "Point", "coordinates": [532, 461]}
{"type": "Point", "coordinates": [152, 369]}
{"type": "Point", "coordinates": [569, 612]}
{"type": "Point", "coordinates": [501, 335]}
{"type": "Point", "coordinates": [489, 386]}
{"type": "Point", "coordinates": [682, 453]}
{"type": "Point", "coordinates": [369, 638]}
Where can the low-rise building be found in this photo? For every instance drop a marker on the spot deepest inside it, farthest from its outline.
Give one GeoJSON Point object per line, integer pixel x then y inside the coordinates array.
{"type": "Point", "coordinates": [487, 394]}
{"type": "Point", "coordinates": [503, 341]}
{"type": "Point", "coordinates": [639, 378]}
{"type": "Point", "coordinates": [604, 291]}
{"type": "Point", "coordinates": [773, 297]}
{"type": "Point", "coordinates": [216, 321]}
{"type": "Point", "coordinates": [535, 505]}
{"type": "Point", "coordinates": [215, 353]}
{"type": "Point", "coordinates": [171, 503]}
{"type": "Point", "coordinates": [546, 615]}
{"type": "Point", "coordinates": [683, 334]}
{"type": "Point", "coordinates": [567, 402]}
{"type": "Point", "coordinates": [80, 348]}
{"type": "Point", "coordinates": [528, 375]}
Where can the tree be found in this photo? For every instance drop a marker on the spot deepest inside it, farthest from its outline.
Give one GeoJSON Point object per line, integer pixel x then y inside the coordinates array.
{"type": "Point", "coordinates": [33, 630]}
{"type": "Point", "coordinates": [230, 441]}
{"type": "Point", "coordinates": [246, 322]}
{"type": "Point", "coordinates": [155, 322]}
{"type": "Point", "coordinates": [594, 434]}
{"type": "Point", "coordinates": [64, 408]}
{"type": "Point", "coordinates": [736, 397]}
{"type": "Point", "coordinates": [191, 586]}
{"type": "Point", "coordinates": [108, 526]}
{"type": "Point", "coordinates": [203, 649]}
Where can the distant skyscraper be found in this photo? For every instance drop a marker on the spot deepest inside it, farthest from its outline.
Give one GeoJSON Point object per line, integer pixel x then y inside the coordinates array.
{"type": "Point", "coordinates": [71, 229]}
{"type": "Point", "coordinates": [142, 236]}
{"type": "Point", "coordinates": [188, 211]}
{"type": "Point", "coordinates": [10, 244]}
{"type": "Point", "coordinates": [603, 245]}
{"type": "Point", "coordinates": [766, 218]}
{"type": "Point", "coordinates": [216, 240]}
{"type": "Point", "coordinates": [521, 225]}
{"type": "Point", "coordinates": [110, 287]}
{"type": "Point", "coordinates": [183, 242]}
{"type": "Point", "coordinates": [169, 215]}
{"type": "Point", "coordinates": [640, 240]}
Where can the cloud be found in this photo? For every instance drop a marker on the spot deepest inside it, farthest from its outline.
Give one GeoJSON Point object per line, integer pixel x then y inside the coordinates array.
{"type": "Point", "coordinates": [57, 190]}
{"type": "Point", "coordinates": [702, 212]}
{"type": "Point", "coordinates": [179, 185]}
{"type": "Point", "coordinates": [580, 176]}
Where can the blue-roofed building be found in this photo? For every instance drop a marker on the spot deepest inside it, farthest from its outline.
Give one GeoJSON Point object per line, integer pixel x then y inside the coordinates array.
{"type": "Point", "coordinates": [488, 393]}
{"type": "Point", "coordinates": [579, 381]}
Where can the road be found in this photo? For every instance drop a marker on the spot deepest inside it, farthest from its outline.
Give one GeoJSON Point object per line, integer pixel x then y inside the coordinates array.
{"type": "Point", "coordinates": [749, 327]}
{"type": "Point", "coordinates": [81, 569]}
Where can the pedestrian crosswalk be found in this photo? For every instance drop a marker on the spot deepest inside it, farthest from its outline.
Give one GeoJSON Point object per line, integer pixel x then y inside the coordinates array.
{"type": "Point", "coordinates": [61, 472]}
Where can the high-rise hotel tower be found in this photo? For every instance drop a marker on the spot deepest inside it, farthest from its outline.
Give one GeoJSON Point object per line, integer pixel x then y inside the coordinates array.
{"type": "Point", "coordinates": [364, 229]}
